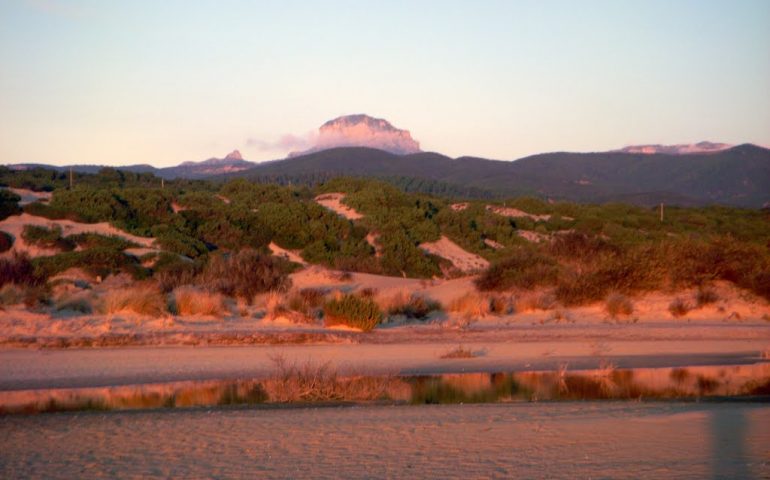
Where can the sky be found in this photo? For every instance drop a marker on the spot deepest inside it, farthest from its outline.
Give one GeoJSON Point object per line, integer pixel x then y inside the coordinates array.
{"type": "Point", "coordinates": [161, 82]}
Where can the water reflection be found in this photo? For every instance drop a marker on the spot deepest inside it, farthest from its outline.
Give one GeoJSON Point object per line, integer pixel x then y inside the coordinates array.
{"type": "Point", "coordinates": [313, 384]}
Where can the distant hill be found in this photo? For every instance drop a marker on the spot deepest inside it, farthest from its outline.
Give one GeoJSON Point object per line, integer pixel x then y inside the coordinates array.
{"type": "Point", "coordinates": [233, 162]}
{"type": "Point", "coordinates": [736, 176]}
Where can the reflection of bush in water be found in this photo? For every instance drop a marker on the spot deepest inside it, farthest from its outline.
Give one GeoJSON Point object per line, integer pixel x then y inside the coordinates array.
{"type": "Point", "coordinates": [706, 384]}
{"type": "Point", "coordinates": [436, 390]}
{"type": "Point", "coordinates": [757, 387]}
{"type": "Point", "coordinates": [232, 395]}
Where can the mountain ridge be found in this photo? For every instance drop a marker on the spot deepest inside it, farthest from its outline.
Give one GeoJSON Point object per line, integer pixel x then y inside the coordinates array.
{"type": "Point", "coordinates": [738, 176]}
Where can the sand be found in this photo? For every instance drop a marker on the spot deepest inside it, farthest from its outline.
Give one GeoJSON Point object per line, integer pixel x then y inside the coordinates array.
{"type": "Point", "coordinates": [333, 201]}
{"type": "Point", "coordinates": [462, 260]}
{"type": "Point", "coordinates": [290, 255]}
{"type": "Point", "coordinates": [538, 440]}
{"type": "Point", "coordinates": [516, 213]}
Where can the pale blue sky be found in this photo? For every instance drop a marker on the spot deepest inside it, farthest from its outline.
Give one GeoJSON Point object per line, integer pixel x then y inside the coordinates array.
{"type": "Point", "coordinates": [161, 82]}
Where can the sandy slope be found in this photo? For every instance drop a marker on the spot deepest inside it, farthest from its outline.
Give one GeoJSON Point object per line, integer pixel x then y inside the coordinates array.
{"type": "Point", "coordinates": [15, 224]}
{"type": "Point", "coordinates": [516, 213]}
{"type": "Point", "coordinates": [333, 201]}
{"type": "Point", "coordinates": [462, 260]}
{"type": "Point", "coordinates": [292, 256]}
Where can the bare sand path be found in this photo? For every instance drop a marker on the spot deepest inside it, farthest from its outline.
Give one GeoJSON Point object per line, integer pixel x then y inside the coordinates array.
{"type": "Point", "coordinates": [22, 369]}
{"type": "Point", "coordinates": [530, 440]}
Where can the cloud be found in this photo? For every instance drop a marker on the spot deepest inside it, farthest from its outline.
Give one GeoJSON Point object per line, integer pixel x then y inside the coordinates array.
{"type": "Point", "coordinates": [286, 143]}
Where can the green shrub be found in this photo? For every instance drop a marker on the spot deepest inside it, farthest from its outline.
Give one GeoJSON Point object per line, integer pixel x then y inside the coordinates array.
{"type": "Point", "coordinates": [40, 209]}
{"type": "Point", "coordinates": [353, 311]}
{"type": "Point", "coordinates": [97, 261]}
{"type": "Point", "coordinates": [95, 240]}
{"type": "Point", "coordinates": [9, 204]}
{"type": "Point", "coordinates": [46, 237]}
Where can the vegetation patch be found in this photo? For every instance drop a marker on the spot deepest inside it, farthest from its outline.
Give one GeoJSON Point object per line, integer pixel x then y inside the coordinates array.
{"type": "Point", "coordinates": [6, 241]}
{"type": "Point", "coordinates": [353, 311]}
{"type": "Point", "coordinates": [188, 300]}
{"type": "Point", "coordinates": [44, 237]}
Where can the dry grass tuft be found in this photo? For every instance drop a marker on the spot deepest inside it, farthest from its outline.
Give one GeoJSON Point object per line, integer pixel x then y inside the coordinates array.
{"type": "Point", "coordinates": [618, 305]}
{"type": "Point", "coordinates": [310, 382]}
{"type": "Point", "coordinates": [307, 302]}
{"type": "Point", "coordinates": [187, 300]}
{"type": "Point", "coordinates": [471, 304]}
{"type": "Point", "coordinates": [543, 301]}
{"type": "Point", "coordinates": [144, 299]}
{"type": "Point", "coordinates": [458, 352]}
{"type": "Point", "coordinates": [413, 306]}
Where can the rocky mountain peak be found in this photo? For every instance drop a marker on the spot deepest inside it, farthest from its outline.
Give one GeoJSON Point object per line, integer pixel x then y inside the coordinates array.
{"type": "Point", "coordinates": [361, 130]}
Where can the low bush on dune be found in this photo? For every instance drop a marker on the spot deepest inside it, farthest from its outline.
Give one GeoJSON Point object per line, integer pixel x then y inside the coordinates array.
{"type": "Point", "coordinates": [19, 270]}
{"type": "Point", "coordinates": [523, 268]}
{"type": "Point", "coordinates": [143, 299]}
{"type": "Point", "coordinates": [705, 296]}
{"type": "Point", "coordinates": [98, 261]}
{"type": "Point", "coordinates": [188, 300]}
{"type": "Point", "coordinates": [353, 311]}
{"type": "Point", "coordinates": [576, 245]}
{"type": "Point", "coordinates": [172, 271]}
{"type": "Point", "coordinates": [679, 307]}
{"type": "Point", "coordinates": [245, 274]}
{"type": "Point", "coordinates": [414, 306]}
{"type": "Point", "coordinates": [93, 240]}
{"type": "Point", "coordinates": [308, 302]}
{"type": "Point", "coordinates": [6, 242]}
{"type": "Point", "coordinates": [44, 237]}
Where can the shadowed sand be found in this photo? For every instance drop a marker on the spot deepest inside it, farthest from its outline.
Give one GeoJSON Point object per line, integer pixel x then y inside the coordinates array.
{"type": "Point", "coordinates": [572, 440]}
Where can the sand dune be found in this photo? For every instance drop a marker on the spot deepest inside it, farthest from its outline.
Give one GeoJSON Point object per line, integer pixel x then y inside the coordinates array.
{"type": "Point", "coordinates": [516, 213]}
{"type": "Point", "coordinates": [14, 225]}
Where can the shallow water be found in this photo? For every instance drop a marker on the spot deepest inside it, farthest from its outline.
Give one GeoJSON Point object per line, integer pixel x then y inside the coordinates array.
{"type": "Point", "coordinates": [532, 440]}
